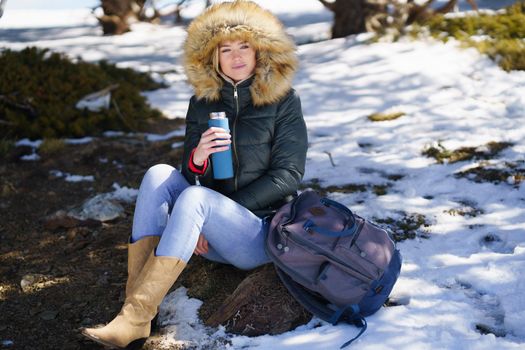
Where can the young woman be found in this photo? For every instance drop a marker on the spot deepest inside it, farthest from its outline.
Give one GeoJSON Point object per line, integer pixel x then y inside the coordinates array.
{"type": "Point", "coordinates": [239, 60]}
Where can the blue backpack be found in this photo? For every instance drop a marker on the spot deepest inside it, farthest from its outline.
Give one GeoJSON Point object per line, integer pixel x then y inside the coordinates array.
{"type": "Point", "coordinates": [337, 265]}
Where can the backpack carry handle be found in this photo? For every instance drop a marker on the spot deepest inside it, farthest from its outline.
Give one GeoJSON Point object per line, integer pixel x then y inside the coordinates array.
{"type": "Point", "coordinates": [331, 203]}
{"type": "Point", "coordinates": [310, 225]}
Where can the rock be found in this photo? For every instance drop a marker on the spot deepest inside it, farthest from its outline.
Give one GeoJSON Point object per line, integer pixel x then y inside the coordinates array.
{"type": "Point", "coordinates": [96, 101]}
{"type": "Point", "coordinates": [93, 212]}
{"type": "Point", "coordinates": [259, 305]}
{"type": "Point", "coordinates": [62, 219]}
{"type": "Point", "coordinates": [98, 208]}
{"type": "Point", "coordinates": [29, 280]}
{"type": "Point", "coordinates": [48, 315]}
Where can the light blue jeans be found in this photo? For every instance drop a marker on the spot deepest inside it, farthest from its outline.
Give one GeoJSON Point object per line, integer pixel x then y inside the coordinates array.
{"type": "Point", "coordinates": [169, 207]}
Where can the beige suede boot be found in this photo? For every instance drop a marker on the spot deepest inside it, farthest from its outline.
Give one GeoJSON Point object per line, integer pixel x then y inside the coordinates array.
{"type": "Point", "coordinates": [138, 253]}
{"type": "Point", "coordinates": [132, 324]}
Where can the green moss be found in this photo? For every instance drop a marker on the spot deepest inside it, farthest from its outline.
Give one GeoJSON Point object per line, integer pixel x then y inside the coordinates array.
{"type": "Point", "coordinates": [395, 177]}
{"type": "Point", "coordinates": [510, 172]}
{"type": "Point", "coordinates": [381, 117]}
{"type": "Point", "coordinates": [466, 208]}
{"type": "Point", "coordinates": [439, 153]}
{"type": "Point", "coordinates": [315, 185]}
{"type": "Point", "coordinates": [408, 226]}
{"type": "Point", "coordinates": [39, 90]}
{"type": "Point", "coordinates": [51, 146]}
{"type": "Point", "coordinates": [489, 151]}
{"type": "Point", "coordinates": [380, 190]}
{"type": "Point", "coordinates": [504, 33]}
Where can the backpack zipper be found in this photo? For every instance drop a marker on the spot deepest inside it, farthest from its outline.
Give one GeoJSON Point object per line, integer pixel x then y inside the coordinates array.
{"type": "Point", "coordinates": [293, 209]}
{"type": "Point", "coordinates": [286, 235]}
{"type": "Point", "coordinates": [330, 256]}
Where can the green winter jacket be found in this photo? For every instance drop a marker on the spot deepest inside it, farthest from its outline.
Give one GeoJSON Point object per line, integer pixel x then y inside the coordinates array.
{"type": "Point", "coordinates": [269, 138]}
{"type": "Point", "coordinates": [269, 146]}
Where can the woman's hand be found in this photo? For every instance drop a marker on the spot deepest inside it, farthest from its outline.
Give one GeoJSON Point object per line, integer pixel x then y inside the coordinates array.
{"type": "Point", "coordinates": [212, 140]}
{"type": "Point", "coordinates": [202, 246]}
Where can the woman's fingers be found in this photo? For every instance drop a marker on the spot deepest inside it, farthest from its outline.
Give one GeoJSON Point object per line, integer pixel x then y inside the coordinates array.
{"type": "Point", "coordinates": [216, 142]}
{"type": "Point", "coordinates": [214, 129]}
{"type": "Point", "coordinates": [202, 246]}
{"type": "Point", "coordinates": [212, 140]}
{"type": "Point", "coordinates": [218, 136]}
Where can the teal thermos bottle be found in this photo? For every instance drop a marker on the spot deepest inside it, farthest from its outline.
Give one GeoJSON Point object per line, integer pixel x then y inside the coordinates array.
{"type": "Point", "coordinates": [222, 161]}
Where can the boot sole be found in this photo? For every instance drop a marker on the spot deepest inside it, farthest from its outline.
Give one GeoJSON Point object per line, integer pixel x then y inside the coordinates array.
{"type": "Point", "coordinates": [134, 345]}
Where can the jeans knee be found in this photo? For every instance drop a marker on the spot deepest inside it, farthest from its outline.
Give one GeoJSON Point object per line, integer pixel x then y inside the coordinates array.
{"type": "Point", "coordinates": [157, 175]}
{"type": "Point", "coordinates": [194, 195]}
{"type": "Point", "coordinates": [159, 170]}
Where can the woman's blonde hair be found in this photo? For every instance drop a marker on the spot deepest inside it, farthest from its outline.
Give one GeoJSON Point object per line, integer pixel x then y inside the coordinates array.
{"type": "Point", "coordinates": [215, 59]}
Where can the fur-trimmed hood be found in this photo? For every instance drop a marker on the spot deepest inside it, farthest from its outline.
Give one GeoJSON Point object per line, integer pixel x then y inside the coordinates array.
{"type": "Point", "coordinates": [246, 21]}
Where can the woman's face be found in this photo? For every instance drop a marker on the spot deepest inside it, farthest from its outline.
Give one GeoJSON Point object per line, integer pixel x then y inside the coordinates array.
{"type": "Point", "coordinates": [236, 59]}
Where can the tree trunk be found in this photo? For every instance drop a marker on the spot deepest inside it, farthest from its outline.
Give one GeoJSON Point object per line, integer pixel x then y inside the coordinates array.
{"type": "Point", "coordinates": [353, 16]}
{"type": "Point", "coordinates": [423, 11]}
{"type": "Point", "coordinates": [117, 13]}
{"type": "Point", "coordinates": [358, 16]}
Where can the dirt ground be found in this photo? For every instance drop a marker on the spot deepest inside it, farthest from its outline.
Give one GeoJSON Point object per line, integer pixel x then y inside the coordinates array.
{"type": "Point", "coordinates": [55, 281]}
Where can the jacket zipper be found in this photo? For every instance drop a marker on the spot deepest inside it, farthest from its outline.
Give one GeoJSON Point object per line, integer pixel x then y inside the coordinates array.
{"type": "Point", "coordinates": [236, 98]}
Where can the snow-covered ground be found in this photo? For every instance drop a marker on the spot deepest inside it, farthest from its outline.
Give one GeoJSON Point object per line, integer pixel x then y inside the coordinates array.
{"type": "Point", "coordinates": [471, 269]}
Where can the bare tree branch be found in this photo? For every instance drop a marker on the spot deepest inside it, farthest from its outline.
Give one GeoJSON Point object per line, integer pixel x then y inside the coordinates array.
{"type": "Point", "coordinates": [473, 4]}
{"type": "Point", "coordinates": [416, 12]}
{"type": "Point", "coordinates": [452, 3]}
{"type": "Point", "coordinates": [25, 107]}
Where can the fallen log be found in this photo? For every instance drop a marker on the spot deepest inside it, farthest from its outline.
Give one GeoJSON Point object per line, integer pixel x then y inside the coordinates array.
{"type": "Point", "coordinates": [259, 305]}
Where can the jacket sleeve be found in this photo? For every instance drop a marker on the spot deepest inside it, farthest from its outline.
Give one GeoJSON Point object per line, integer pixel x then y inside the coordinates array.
{"type": "Point", "coordinates": [191, 140]}
{"type": "Point", "coordinates": [198, 170]}
{"type": "Point", "coordinates": [287, 162]}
